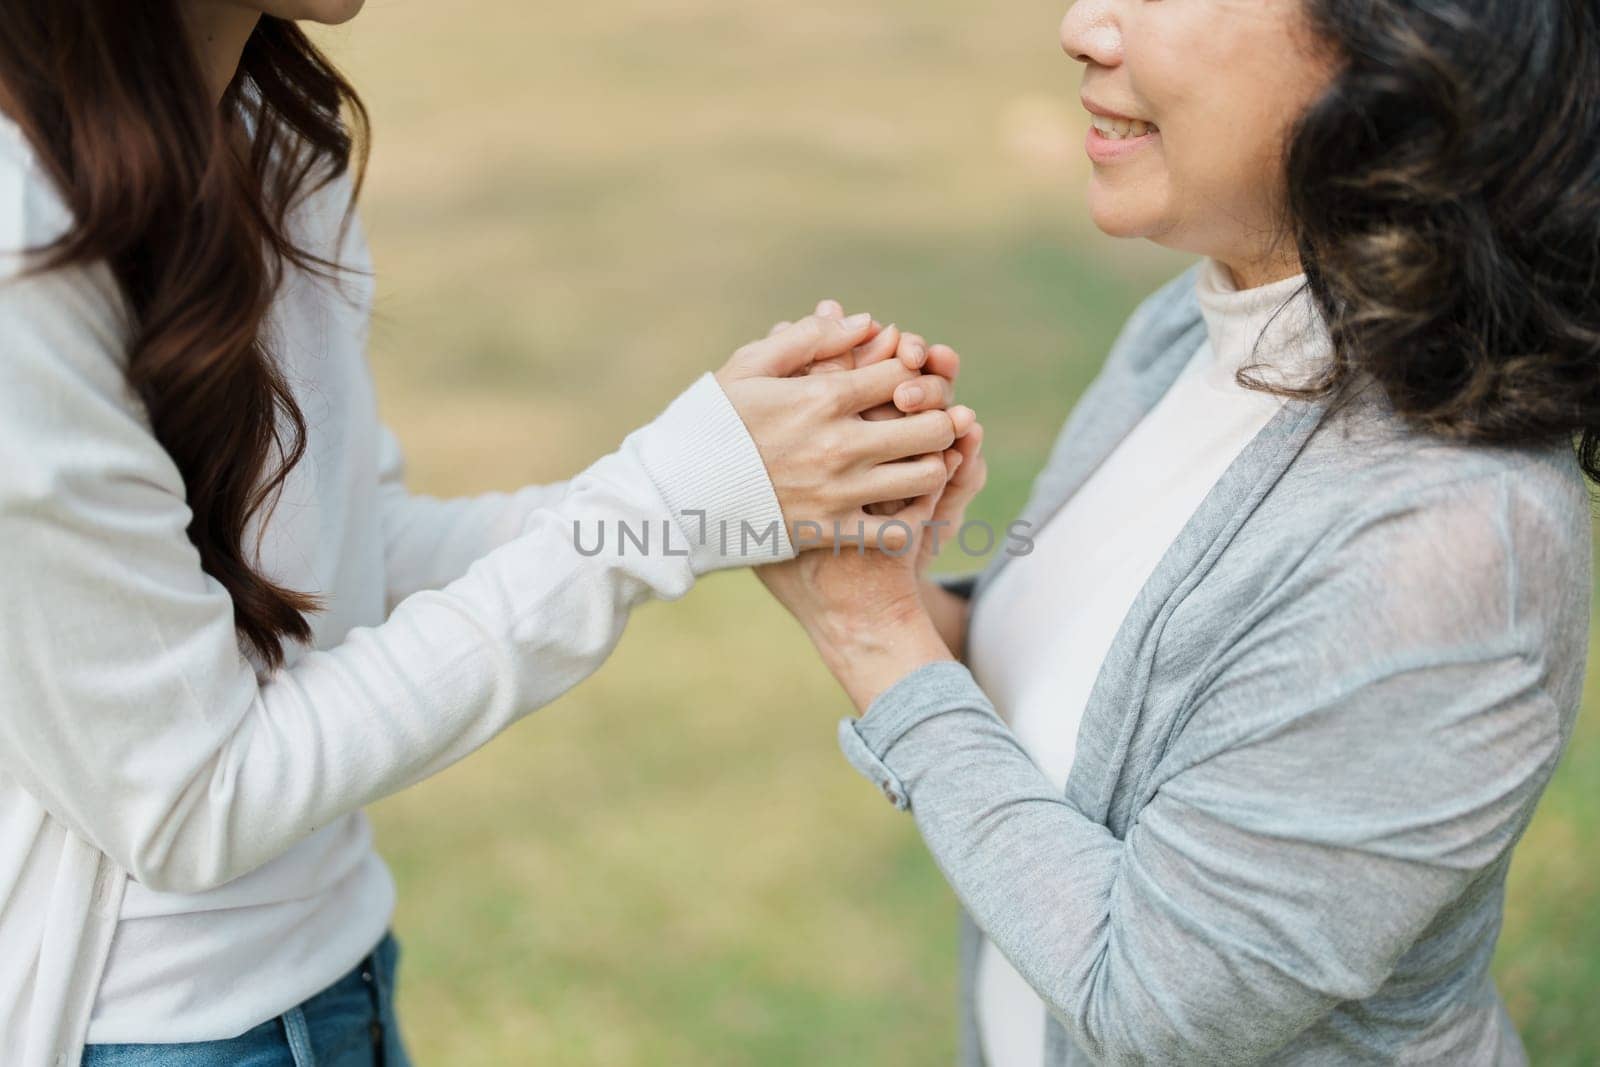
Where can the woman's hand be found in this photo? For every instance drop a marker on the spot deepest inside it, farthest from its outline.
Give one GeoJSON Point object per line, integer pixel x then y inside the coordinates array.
{"type": "Point", "coordinates": [869, 613]}
{"type": "Point", "coordinates": [934, 389]}
{"type": "Point", "coordinates": [862, 608]}
{"type": "Point", "coordinates": [968, 474]}
{"type": "Point", "coordinates": [940, 365]}
{"type": "Point", "coordinates": [951, 613]}
{"type": "Point", "coordinates": [867, 609]}
{"type": "Point", "coordinates": [826, 463]}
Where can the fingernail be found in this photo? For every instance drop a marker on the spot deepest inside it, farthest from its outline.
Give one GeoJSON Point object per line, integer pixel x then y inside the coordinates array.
{"type": "Point", "coordinates": [858, 322]}
{"type": "Point", "coordinates": [910, 395]}
{"type": "Point", "coordinates": [959, 459]}
{"type": "Point", "coordinates": [918, 354]}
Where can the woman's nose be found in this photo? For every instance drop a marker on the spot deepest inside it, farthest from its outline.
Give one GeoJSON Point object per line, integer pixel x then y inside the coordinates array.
{"type": "Point", "coordinates": [1090, 33]}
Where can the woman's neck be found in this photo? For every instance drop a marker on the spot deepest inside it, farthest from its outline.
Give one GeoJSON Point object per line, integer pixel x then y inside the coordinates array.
{"type": "Point", "coordinates": [218, 31]}
{"type": "Point", "coordinates": [1253, 273]}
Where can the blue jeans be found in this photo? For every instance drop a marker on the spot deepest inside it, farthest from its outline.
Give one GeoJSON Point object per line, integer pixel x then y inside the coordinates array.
{"type": "Point", "coordinates": [349, 1024]}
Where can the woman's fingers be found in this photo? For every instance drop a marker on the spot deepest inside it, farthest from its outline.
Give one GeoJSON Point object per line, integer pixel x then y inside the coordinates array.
{"type": "Point", "coordinates": [881, 412]}
{"type": "Point", "coordinates": [887, 507]}
{"type": "Point", "coordinates": [877, 347]}
{"type": "Point", "coordinates": [963, 419]}
{"type": "Point", "coordinates": [867, 387]}
{"type": "Point", "coordinates": [803, 343]}
{"type": "Point", "coordinates": [904, 479]}
{"type": "Point", "coordinates": [913, 435]}
{"type": "Point", "coordinates": [969, 474]}
{"type": "Point", "coordinates": [913, 351]}
{"type": "Point", "coordinates": [943, 361]}
{"type": "Point", "coordinates": [897, 533]}
{"type": "Point", "coordinates": [880, 348]}
{"type": "Point", "coordinates": [926, 392]}
{"type": "Point", "coordinates": [969, 441]}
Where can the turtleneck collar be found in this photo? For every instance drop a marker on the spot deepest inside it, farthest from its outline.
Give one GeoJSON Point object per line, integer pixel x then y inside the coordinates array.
{"type": "Point", "coordinates": [1275, 328]}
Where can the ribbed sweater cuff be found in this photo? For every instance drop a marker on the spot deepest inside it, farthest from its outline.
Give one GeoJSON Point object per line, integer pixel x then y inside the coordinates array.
{"type": "Point", "coordinates": [930, 690]}
{"type": "Point", "coordinates": [703, 460]}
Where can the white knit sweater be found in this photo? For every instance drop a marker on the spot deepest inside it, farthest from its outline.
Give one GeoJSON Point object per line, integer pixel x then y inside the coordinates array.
{"type": "Point", "coordinates": [138, 742]}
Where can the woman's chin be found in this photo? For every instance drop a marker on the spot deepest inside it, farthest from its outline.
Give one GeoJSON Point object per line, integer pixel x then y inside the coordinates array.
{"type": "Point", "coordinates": [1122, 213]}
{"type": "Point", "coordinates": [327, 12]}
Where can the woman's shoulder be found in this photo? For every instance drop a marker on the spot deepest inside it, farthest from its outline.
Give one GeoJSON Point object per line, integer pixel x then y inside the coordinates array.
{"type": "Point", "coordinates": [1430, 540]}
{"type": "Point", "coordinates": [63, 330]}
{"type": "Point", "coordinates": [1369, 458]}
{"type": "Point", "coordinates": [32, 212]}
{"type": "Point", "coordinates": [323, 219]}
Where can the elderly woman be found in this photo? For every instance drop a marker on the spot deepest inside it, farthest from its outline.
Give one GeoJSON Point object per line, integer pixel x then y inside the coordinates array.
{"type": "Point", "coordinates": [1230, 767]}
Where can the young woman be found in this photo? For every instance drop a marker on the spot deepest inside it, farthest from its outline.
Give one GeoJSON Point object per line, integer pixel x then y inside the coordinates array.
{"type": "Point", "coordinates": [224, 624]}
{"type": "Point", "coordinates": [1235, 764]}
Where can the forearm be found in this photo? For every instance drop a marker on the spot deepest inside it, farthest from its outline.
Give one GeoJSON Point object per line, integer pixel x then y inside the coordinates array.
{"type": "Point", "coordinates": [1030, 868]}
{"type": "Point", "coordinates": [429, 542]}
{"type": "Point", "coordinates": [868, 657]}
{"type": "Point", "coordinates": [222, 770]}
{"type": "Point", "coordinates": [949, 613]}
{"type": "Point", "coordinates": [1048, 885]}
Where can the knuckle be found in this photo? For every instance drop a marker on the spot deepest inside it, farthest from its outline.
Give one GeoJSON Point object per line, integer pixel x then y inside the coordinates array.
{"type": "Point", "coordinates": [813, 329]}
{"type": "Point", "coordinates": [818, 393]}
{"type": "Point", "coordinates": [895, 374]}
{"type": "Point", "coordinates": [833, 451]}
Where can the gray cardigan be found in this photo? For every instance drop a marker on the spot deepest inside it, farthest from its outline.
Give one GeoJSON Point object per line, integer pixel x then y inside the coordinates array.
{"type": "Point", "coordinates": [1318, 733]}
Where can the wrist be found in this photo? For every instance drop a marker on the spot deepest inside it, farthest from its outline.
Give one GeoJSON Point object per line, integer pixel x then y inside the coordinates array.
{"type": "Point", "coordinates": [869, 654]}
{"type": "Point", "coordinates": [856, 627]}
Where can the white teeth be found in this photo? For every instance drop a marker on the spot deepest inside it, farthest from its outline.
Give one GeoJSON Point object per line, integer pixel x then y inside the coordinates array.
{"type": "Point", "coordinates": [1121, 129]}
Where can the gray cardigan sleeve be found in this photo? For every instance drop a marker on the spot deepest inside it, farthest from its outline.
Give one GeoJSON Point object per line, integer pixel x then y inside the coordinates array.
{"type": "Point", "coordinates": [1374, 739]}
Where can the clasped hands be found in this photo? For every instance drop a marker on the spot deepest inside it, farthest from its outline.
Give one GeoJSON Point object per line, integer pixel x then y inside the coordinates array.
{"type": "Point", "coordinates": [874, 468]}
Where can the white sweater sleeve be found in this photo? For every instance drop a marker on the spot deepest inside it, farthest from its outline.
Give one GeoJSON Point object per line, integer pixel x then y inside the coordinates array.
{"type": "Point", "coordinates": [126, 706]}
{"type": "Point", "coordinates": [429, 542]}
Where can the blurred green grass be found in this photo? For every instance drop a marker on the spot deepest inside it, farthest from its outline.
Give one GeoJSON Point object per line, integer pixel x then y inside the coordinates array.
{"type": "Point", "coordinates": [575, 209]}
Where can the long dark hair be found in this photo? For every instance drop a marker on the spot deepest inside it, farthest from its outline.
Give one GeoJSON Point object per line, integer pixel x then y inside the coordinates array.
{"type": "Point", "coordinates": [195, 230]}
{"type": "Point", "coordinates": [1445, 197]}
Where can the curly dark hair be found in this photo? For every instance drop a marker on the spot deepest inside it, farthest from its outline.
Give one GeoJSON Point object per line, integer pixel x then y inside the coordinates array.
{"type": "Point", "coordinates": [197, 236]}
{"type": "Point", "coordinates": [1445, 197]}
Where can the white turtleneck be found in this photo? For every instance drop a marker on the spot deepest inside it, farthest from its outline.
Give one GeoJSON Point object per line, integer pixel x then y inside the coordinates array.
{"type": "Point", "coordinates": [1040, 632]}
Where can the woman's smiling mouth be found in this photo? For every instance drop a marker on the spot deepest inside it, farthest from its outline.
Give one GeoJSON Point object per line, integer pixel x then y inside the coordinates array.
{"type": "Point", "coordinates": [1112, 137]}
{"type": "Point", "coordinates": [1117, 129]}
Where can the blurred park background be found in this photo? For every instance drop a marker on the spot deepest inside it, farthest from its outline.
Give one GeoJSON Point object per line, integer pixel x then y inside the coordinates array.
{"type": "Point", "coordinates": [577, 208]}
